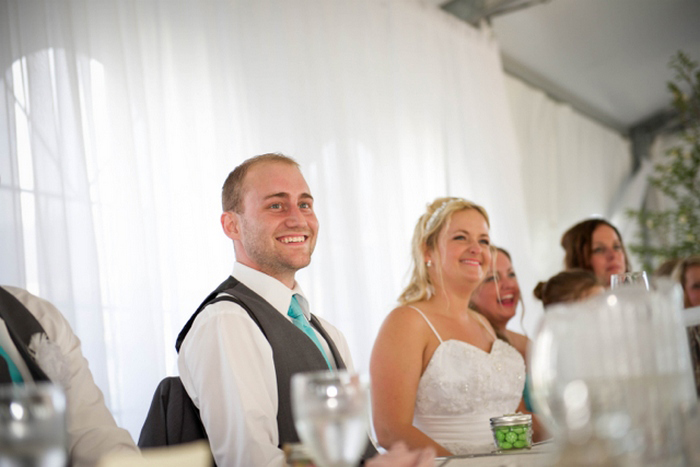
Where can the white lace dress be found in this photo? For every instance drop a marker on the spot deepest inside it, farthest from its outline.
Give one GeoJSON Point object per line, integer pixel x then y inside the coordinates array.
{"type": "Point", "coordinates": [462, 388]}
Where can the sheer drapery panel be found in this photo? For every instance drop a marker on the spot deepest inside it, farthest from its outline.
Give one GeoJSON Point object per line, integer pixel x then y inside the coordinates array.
{"type": "Point", "coordinates": [121, 119]}
{"type": "Point", "coordinates": [573, 168]}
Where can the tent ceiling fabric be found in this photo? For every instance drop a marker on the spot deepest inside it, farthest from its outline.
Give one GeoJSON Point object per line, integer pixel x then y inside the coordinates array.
{"type": "Point", "coordinates": [608, 59]}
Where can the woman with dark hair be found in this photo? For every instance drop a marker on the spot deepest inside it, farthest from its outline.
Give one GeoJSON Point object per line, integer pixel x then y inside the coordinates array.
{"type": "Point", "coordinates": [595, 245]}
{"type": "Point", "coordinates": [568, 286]}
{"type": "Point", "coordinates": [438, 370]}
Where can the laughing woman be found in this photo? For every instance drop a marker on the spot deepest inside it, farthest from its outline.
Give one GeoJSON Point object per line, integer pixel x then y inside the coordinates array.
{"type": "Point", "coordinates": [497, 298]}
{"type": "Point", "coordinates": [438, 370]}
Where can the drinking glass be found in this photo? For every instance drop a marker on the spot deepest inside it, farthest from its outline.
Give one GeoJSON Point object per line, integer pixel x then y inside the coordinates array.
{"type": "Point", "coordinates": [32, 426]}
{"type": "Point", "coordinates": [611, 377]}
{"type": "Point", "coordinates": [629, 278]}
{"type": "Point", "coordinates": [330, 411]}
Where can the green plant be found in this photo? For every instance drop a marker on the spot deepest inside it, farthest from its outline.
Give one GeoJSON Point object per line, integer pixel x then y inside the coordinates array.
{"type": "Point", "coordinates": [675, 232]}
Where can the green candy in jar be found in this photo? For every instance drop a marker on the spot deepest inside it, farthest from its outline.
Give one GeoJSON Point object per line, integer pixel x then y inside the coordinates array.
{"type": "Point", "coordinates": [512, 431]}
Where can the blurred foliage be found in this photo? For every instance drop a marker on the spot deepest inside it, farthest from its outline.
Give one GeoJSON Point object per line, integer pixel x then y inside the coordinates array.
{"type": "Point", "coordinates": [675, 232]}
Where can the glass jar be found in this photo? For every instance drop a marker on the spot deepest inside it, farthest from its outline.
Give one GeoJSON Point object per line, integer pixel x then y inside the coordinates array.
{"type": "Point", "coordinates": [512, 432]}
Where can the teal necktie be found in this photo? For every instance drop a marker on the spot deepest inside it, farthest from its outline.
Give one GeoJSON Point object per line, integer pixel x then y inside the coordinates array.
{"type": "Point", "coordinates": [300, 321]}
{"type": "Point", "coordinates": [15, 375]}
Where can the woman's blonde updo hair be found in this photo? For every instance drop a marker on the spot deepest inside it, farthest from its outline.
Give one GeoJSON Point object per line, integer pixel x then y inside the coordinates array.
{"type": "Point", "coordinates": [425, 236]}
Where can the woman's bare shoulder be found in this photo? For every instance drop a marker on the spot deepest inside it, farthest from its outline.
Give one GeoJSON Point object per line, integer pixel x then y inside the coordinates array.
{"type": "Point", "coordinates": [519, 341]}
{"type": "Point", "coordinates": [406, 318]}
{"type": "Point", "coordinates": [403, 335]}
{"type": "Point", "coordinates": [516, 336]}
{"type": "Point", "coordinates": [406, 313]}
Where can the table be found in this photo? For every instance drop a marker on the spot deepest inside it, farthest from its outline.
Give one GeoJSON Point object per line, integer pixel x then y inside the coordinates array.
{"type": "Point", "coordinates": [540, 455]}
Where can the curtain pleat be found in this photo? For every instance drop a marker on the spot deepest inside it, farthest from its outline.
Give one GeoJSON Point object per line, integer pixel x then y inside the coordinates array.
{"type": "Point", "coordinates": [121, 119]}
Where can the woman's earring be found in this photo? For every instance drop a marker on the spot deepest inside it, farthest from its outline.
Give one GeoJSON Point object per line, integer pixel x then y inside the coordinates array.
{"type": "Point", "coordinates": [428, 263]}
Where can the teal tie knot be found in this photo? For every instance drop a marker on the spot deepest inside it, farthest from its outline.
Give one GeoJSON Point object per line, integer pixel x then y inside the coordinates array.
{"type": "Point", "coordinates": [295, 312]}
{"type": "Point", "coordinates": [15, 374]}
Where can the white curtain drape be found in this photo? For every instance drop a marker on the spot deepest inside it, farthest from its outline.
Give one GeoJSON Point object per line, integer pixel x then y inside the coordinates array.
{"type": "Point", "coordinates": [121, 119]}
{"type": "Point", "coordinates": [573, 168]}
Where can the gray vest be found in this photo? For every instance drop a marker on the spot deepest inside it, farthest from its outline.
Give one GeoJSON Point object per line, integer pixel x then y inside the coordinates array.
{"type": "Point", "coordinates": [292, 350]}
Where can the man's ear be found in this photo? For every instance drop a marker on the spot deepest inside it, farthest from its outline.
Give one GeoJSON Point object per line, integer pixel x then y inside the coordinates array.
{"type": "Point", "coordinates": [230, 222]}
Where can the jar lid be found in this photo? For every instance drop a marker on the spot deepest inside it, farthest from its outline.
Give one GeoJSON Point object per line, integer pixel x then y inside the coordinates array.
{"type": "Point", "coordinates": [512, 419]}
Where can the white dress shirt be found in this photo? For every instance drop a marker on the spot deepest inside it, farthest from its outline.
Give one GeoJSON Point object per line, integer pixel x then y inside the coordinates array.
{"type": "Point", "coordinates": [227, 368]}
{"type": "Point", "coordinates": [92, 431]}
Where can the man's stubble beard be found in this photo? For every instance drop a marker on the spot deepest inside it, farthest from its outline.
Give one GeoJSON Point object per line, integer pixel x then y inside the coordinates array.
{"type": "Point", "coordinates": [269, 259]}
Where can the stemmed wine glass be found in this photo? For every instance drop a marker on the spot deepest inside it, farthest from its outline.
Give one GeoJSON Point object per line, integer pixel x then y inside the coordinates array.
{"type": "Point", "coordinates": [33, 425]}
{"type": "Point", "coordinates": [612, 378]}
{"type": "Point", "coordinates": [629, 278]}
{"type": "Point", "coordinates": [330, 411]}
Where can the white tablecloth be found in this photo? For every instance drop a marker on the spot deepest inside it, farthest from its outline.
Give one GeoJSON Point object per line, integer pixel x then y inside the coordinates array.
{"type": "Point", "coordinates": [539, 456]}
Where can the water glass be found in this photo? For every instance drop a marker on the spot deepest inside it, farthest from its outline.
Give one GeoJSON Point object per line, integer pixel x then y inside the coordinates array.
{"type": "Point", "coordinates": [330, 411]}
{"type": "Point", "coordinates": [33, 426]}
{"type": "Point", "coordinates": [629, 278]}
{"type": "Point", "coordinates": [611, 377]}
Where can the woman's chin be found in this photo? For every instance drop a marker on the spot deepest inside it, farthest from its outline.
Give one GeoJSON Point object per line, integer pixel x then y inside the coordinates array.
{"type": "Point", "coordinates": [503, 314]}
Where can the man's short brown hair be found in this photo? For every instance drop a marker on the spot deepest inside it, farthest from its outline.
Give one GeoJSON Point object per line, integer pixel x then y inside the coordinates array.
{"type": "Point", "coordinates": [232, 191]}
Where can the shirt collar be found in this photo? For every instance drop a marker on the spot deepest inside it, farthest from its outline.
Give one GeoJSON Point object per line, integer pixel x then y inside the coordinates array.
{"type": "Point", "coordinates": [273, 291]}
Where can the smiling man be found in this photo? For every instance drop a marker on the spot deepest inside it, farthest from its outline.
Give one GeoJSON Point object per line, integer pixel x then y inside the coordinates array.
{"type": "Point", "coordinates": [241, 347]}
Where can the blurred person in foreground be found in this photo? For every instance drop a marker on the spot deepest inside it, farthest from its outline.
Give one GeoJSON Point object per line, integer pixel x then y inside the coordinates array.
{"type": "Point", "coordinates": [38, 345]}
{"type": "Point", "coordinates": [595, 245]}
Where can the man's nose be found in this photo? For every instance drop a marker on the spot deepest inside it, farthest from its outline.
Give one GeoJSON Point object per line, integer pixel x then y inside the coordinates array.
{"type": "Point", "coordinates": [295, 217]}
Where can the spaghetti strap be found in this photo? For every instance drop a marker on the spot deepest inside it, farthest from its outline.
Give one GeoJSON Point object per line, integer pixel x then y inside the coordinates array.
{"type": "Point", "coordinates": [427, 321]}
{"type": "Point", "coordinates": [485, 324]}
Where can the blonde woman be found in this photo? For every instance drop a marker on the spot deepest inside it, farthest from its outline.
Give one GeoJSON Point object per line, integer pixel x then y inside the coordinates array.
{"type": "Point", "coordinates": [438, 371]}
